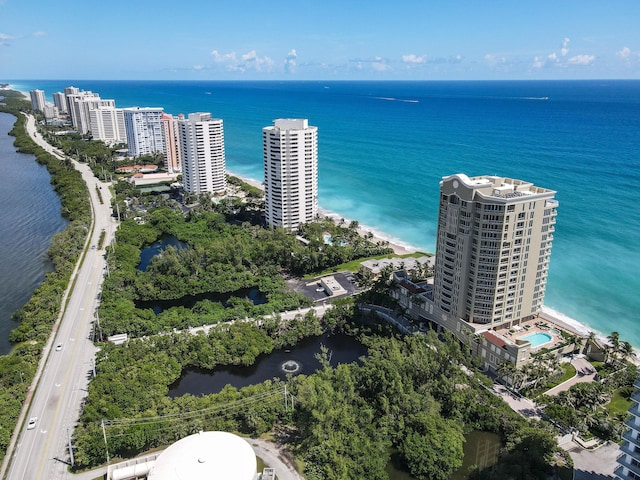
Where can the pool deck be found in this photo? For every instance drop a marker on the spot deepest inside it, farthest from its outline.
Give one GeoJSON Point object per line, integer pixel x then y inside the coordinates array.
{"type": "Point", "coordinates": [518, 332]}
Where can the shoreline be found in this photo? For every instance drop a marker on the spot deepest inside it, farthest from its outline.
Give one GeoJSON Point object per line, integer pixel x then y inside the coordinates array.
{"type": "Point", "coordinates": [399, 248]}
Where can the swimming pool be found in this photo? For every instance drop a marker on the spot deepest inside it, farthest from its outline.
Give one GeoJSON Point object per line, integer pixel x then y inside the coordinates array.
{"type": "Point", "coordinates": [537, 339]}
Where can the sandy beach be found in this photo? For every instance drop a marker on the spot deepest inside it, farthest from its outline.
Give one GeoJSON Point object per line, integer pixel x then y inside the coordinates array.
{"type": "Point", "coordinates": [398, 247]}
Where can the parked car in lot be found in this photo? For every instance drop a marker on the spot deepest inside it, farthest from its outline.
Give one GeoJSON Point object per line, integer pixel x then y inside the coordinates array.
{"type": "Point", "coordinates": [32, 423]}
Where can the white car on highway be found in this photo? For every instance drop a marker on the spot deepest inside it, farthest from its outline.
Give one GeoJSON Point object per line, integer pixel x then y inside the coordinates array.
{"type": "Point", "coordinates": [32, 423]}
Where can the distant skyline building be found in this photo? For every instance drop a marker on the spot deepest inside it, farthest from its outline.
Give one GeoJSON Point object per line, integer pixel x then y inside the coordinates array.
{"type": "Point", "coordinates": [493, 249]}
{"type": "Point", "coordinates": [143, 126]}
{"type": "Point", "coordinates": [37, 100]}
{"type": "Point", "coordinates": [202, 153]}
{"type": "Point", "coordinates": [50, 112]}
{"type": "Point", "coordinates": [67, 93]}
{"type": "Point", "coordinates": [80, 105]}
{"type": "Point", "coordinates": [60, 101]}
{"type": "Point", "coordinates": [106, 123]}
{"type": "Point", "coordinates": [173, 155]}
{"type": "Point", "coordinates": [290, 150]}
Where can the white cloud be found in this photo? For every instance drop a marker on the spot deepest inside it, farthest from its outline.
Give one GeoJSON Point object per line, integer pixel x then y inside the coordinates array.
{"type": "Point", "coordinates": [415, 59]}
{"type": "Point", "coordinates": [553, 57]}
{"type": "Point", "coordinates": [290, 61]}
{"type": "Point", "coordinates": [581, 59]}
{"type": "Point", "coordinates": [537, 62]}
{"type": "Point", "coordinates": [39, 34]}
{"type": "Point", "coordinates": [565, 47]}
{"type": "Point", "coordinates": [198, 67]}
{"type": "Point", "coordinates": [625, 53]}
{"type": "Point", "coordinates": [227, 57]}
{"type": "Point", "coordinates": [379, 64]}
{"type": "Point", "coordinates": [494, 60]}
{"type": "Point", "coordinates": [5, 38]}
{"type": "Point", "coordinates": [249, 61]}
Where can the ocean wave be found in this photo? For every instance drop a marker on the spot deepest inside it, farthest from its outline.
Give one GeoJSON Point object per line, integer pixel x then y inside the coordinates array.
{"type": "Point", "coordinates": [378, 234]}
{"type": "Point", "coordinates": [393, 99]}
{"type": "Point", "coordinates": [572, 322]}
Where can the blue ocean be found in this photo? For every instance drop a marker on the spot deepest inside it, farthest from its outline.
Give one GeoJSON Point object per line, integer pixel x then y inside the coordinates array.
{"type": "Point", "coordinates": [384, 146]}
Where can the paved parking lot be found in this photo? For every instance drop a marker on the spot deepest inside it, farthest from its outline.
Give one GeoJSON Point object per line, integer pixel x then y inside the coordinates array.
{"type": "Point", "coordinates": [313, 289]}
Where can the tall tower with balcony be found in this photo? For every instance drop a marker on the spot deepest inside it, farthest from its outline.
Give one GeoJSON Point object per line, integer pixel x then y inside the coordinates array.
{"type": "Point", "coordinates": [629, 461]}
{"type": "Point", "coordinates": [202, 153]}
{"type": "Point", "coordinates": [290, 150]}
{"type": "Point", "coordinates": [493, 249]}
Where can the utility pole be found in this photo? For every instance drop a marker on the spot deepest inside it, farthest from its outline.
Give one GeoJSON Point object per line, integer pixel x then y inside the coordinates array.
{"type": "Point", "coordinates": [99, 329]}
{"type": "Point", "coordinates": [104, 435]}
{"type": "Point", "coordinates": [70, 447]}
{"type": "Point", "coordinates": [285, 398]}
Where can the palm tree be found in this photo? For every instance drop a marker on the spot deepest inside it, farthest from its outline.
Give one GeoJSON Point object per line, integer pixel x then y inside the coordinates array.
{"type": "Point", "coordinates": [506, 371]}
{"type": "Point", "coordinates": [614, 342]}
{"type": "Point", "coordinates": [626, 350]}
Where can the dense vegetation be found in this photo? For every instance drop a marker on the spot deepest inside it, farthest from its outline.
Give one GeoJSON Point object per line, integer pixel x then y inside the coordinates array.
{"type": "Point", "coordinates": [588, 407]}
{"type": "Point", "coordinates": [410, 394]}
{"type": "Point", "coordinates": [220, 257]}
{"type": "Point", "coordinates": [413, 395]}
{"type": "Point", "coordinates": [36, 317]}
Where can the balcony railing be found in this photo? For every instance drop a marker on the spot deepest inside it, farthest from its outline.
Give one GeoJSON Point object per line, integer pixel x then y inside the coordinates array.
{"type": "Point", "coordinates": [630, 466]}
{"type": "Point", "coordinates": [628, 436]}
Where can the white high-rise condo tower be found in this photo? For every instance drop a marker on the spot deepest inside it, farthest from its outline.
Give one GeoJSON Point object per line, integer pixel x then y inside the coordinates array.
{"type": "Point", "coordinates": [107, 124]}
{"type": "Point", "coordinates": [60, 101]}
{"type": "Point", "coordinates": [143, 127]}
{"type": "Point", "coordinates": [290, 149]}
{"type": "Point", "coordinates": [629, 459]}
{"type": "Point", "coordinates": [202, 152]}
{"type": "Point", "coordinates": [493, 249]}
{"type": "Point", "coordinates": [37, 100]}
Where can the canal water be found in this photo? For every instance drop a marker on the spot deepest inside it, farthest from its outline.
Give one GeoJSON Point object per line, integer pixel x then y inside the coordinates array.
{"type": "Point", "coordinates": [279, 363]}
{"type": "Point", "coordinates": [30, 216]}
{"type": "Point", "coordinates": [157, 247]}
{"type": "Point", "coordinates": [481, 449]}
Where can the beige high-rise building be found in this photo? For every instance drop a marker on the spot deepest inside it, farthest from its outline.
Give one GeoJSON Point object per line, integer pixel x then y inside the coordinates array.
{"type": "Point", "coordinates": [173, 155]}
{"type": "Point", "coordinates": [290, 149]}
{"type": "Point", "coordinates": [493, 249]}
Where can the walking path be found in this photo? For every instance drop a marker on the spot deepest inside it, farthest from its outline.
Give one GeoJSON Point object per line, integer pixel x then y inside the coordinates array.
{"type": "Point", "coordinates": [582, 365]}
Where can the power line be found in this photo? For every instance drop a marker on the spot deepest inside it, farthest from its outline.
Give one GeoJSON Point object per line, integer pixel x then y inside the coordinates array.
{"type": "Point", "coordinates": [195, 413]}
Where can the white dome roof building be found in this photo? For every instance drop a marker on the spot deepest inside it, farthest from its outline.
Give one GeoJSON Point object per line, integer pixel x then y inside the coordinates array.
{"type": "Point", "coordinates": [206, 455]}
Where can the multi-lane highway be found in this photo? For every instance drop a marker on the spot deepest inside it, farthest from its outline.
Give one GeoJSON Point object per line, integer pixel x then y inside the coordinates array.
{"type": "Point", "coordinates": [63, 376]}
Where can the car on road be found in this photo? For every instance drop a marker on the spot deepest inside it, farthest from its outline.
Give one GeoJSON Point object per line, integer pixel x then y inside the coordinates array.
{"type": "Point", "coordinates": [32, 423]}
{"type": "Point", "coordinates": [58, 347]}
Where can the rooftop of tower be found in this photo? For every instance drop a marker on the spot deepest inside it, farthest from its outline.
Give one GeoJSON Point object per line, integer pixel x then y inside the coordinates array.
{"type": "Point", "coordinates": [497, 187]}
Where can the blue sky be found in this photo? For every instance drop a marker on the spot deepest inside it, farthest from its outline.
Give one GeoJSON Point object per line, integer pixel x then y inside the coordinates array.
{"type": "Point", "coordinates": [319, 39]}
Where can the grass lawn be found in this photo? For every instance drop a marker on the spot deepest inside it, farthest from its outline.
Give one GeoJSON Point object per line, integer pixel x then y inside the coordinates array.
{"type": "Point", "coordinates": [354, 265]}
{"type": "Point", "coordinates": [569, 372]}
{"type": "Point", "coordinates": [620, 402]}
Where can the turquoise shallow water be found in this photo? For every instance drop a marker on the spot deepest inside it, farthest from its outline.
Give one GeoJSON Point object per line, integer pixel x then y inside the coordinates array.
{"type": "Point", "coordinates": [537, 339]}
{"type": "Point", "coordinates": [384, 146]}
